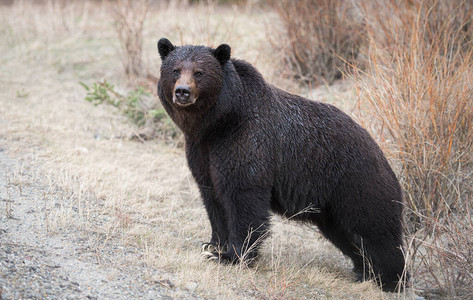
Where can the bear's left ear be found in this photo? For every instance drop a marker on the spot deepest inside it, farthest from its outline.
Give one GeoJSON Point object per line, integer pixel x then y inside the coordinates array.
{"type": "Point", "coordinates": [165, 47]}
{"type": "Point", "coordinates": [222, 53]}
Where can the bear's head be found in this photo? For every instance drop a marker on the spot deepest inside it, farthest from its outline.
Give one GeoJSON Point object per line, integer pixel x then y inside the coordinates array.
{"type": "Point", "coordinates": [191, 76]}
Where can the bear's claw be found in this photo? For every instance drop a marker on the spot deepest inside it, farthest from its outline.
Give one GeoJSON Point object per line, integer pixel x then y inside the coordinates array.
{"type": "Point", "coordinates": [208, 247]}
{"type": "Point", "coordinates": [209, 256]}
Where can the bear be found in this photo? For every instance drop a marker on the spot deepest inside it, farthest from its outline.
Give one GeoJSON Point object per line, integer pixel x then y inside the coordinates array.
{"type": "Point", "coordinates": [254, 149]}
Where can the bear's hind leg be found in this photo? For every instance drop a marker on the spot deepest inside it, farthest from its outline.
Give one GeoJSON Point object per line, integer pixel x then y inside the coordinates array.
{"type": "Point", "coordinates": [387, 263]}
{"type": "Point", "coordinates": [375, 248]}
{"type": "Point", "coordinates": [343, 241]}
{"type": "Point", "coordinates": [376, 259]}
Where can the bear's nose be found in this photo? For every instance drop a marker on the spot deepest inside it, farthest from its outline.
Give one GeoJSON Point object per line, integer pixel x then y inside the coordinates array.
{"type": "Point", "coordinates": [183, 93]}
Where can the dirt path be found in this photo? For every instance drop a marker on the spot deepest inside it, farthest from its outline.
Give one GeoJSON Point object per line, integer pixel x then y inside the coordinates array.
{"type": "Point", "coordinates": [67, 264]}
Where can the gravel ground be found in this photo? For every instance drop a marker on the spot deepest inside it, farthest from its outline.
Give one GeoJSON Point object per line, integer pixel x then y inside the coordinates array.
{"type": "Point", "coordinates": [69, 263]}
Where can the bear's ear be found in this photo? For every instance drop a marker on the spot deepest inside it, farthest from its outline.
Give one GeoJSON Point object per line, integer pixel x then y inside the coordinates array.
{"type": "Point", "coordinates": [165, 47]}
{"type": "Point", "coordinates": [222, 53]}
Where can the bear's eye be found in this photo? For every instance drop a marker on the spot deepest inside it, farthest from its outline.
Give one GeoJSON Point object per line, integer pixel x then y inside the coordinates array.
{"type": "Point", "coordinates": [176, 72]}
{"type": "Point", "coordinates": [198, 74]}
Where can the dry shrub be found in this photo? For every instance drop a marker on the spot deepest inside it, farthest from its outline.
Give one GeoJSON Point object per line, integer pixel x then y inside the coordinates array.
{"type": "Point", "coordinates": [129, 17]}
{"type": "Point", "coordinates": [393, 23]}
{"type": "Point", "coordinates": [443, 257]}
{"type": "Point", "coordinates": [420, 92]}
{"type": "Point", "coordinates": [324, 37]}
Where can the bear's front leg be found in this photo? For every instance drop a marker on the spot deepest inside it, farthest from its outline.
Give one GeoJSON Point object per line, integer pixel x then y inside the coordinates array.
{"type": "Point", "coordinates": [248, 212]}
{"type": "Point", "coordinates": [198, 160]}
{"type": "Point", "coordinates": [218, 222]}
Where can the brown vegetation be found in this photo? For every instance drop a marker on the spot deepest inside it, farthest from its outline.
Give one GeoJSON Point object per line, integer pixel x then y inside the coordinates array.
{"type": "Point", "coordinates": [323, 38]}
{"type": "Point", "coordinates": [418, 88]}
{"type": "Point", "coordinates": [128, 17]}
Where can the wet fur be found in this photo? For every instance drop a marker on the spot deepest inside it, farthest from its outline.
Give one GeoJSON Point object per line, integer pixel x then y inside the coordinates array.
{"type": "Point", "coordinates": [253, 148]}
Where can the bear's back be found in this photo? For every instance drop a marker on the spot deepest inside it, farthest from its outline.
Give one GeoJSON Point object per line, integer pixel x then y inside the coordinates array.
{"type": "Point", "coordinates": [316, 149]}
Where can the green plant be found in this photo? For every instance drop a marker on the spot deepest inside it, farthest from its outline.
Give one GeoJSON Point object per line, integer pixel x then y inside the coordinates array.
{"type": "Point", "coordinates": [132, 105]}
{"type": "Point", "coordinates": [22, 94]}
{"type": "Point", "coordinates": [138, 106]}
{"type": "Point", "coordinates": [101, 92]}
{"type": "Point", "coordinates": [133, 109]}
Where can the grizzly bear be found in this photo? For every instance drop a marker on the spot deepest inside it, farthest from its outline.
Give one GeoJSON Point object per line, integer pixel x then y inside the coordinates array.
{"type": "Point", "coordinates": [254, 149]}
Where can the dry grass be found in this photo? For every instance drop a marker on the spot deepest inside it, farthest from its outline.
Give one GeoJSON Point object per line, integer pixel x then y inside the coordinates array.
{"type": "Point", "coordinates": [419, 90]}
{"type": "Point", "coordinates": [143, 192]}
{"type": "Point", "coordinates": [322, 38]}
{"type": "Point", "coordinates": [128, 17]}
{"type": "Point", "coordinates": [421, 94]}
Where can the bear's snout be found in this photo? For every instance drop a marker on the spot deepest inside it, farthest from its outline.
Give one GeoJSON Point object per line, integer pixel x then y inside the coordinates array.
{"type": "Point", "coordinates": [182, 93]}
{"type": "Point", "coordinates": [182, 96]}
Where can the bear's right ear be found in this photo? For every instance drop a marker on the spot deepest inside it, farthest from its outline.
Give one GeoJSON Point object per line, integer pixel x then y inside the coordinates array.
{"type": "Point", "coordinates": [165, 47]}
{"type": "Point", "coordinates": [222, 53]}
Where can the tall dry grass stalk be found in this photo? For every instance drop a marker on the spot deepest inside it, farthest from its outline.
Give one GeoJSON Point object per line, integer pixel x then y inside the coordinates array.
{"type": "Point", "coordinates": [419, 90]}
{"type": "Point", "coordinates": [128, 17]}
{"type": "Point", "coordinates": [324, 37]}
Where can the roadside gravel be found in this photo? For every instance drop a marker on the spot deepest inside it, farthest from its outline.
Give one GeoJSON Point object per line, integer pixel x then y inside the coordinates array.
{"type": "Point", "coordinates": [69, 263]}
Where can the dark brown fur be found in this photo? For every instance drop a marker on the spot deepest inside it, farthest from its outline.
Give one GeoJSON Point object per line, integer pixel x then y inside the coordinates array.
{"type": "Point", "coordinates": [253, 148]}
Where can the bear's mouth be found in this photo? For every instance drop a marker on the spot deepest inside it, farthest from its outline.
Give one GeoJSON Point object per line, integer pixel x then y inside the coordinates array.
{"type": "Point", "coordinates": [183, 102]}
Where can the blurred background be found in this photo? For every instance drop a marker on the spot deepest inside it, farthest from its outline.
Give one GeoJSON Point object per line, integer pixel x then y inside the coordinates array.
{"type": "Point", "coordinates": [78, 99]}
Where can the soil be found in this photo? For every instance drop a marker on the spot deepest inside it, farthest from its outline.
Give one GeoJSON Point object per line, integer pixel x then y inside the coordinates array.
{"type": "Point", "coordinates": [70, 263]}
